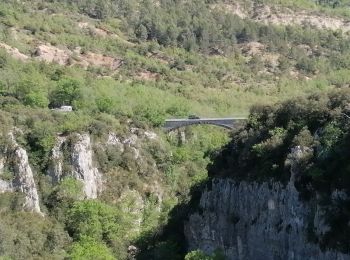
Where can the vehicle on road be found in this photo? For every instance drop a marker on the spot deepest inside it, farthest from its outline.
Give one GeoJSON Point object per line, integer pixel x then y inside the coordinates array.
{"type": "Point", "coordinates": [193, 117]}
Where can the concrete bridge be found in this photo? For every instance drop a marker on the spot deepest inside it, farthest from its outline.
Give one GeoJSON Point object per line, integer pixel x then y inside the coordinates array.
{"type": "Point", "coordinates": [229, 123]}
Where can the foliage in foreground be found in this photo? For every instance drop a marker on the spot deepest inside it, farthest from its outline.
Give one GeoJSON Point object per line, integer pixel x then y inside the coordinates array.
{"type": "Point", "coordinates": [195, 54]}
{"type": "Point", "coordinates": [199, 255]}
{"type": "Point", "coordinates": [321, 123]}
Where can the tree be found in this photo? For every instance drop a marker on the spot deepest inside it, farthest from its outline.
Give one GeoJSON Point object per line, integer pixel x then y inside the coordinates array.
{"type": "Point", "coordinates": [36, 99]}
{"type": "Point", "coordinates": [197, 255]}
{"type": "Point", "coordinates": [30, 236]}
{"type": "Point", "coordinates": [200, 255]}
{"type": "Point", "coordinates": [99, 223]}
{"type": "Point", "coordinates": [67, 91]}
{"type": "Point", "coordinates": [93, 219]}
{"type": "Point", "coordinates": [90, 249]}
{"type": "Point", "coordinates": [142, 32]}
{"type": "Point", "coordinates": [306, 64]}
{"type": "Point", "coordinates": [105, 104]}
{"type": "Point", "coordinates": [256, 64]}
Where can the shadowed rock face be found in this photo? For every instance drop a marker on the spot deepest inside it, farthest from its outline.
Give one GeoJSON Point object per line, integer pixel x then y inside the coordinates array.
{"type": "Point", "coordinates": [55, 170]}
{"type": "Point", "coordinates": [5, 186]}
{"type": "Point", "coordinates": [258, 221]}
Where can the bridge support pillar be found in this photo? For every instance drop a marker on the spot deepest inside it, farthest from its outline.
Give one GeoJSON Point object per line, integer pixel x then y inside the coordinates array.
{"type": "Point", "coordinates": [181, 137]}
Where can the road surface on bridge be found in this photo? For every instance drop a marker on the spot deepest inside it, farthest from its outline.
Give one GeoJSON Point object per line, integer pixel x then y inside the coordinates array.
{"type": "Point", "coordinates": [229, 122]}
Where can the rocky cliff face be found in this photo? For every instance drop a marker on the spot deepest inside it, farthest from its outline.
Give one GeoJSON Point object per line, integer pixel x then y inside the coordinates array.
{"type": "Point", "coordinates": [83, 168]}
{"type": "Point", "coordinates": [257, 221]}
{"type": "Point", "coordinates": [78, 156]}
{"type": "Point", "coordinates": [71, 156]}
{"type": "Point", "coordinates": [80, 160]}
{"type": "Point", "coordinates": [16, 159]}
{"type": "Point", "coordinates": [24, 180]}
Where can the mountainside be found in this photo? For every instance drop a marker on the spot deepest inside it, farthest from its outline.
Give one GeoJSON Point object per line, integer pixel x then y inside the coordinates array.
{"type": "Point", "coordinates": [86, 170]}
{"type": "Point", "coordinates": [281, 186]}
{"type": "Point", "coordinates": [258, 221]}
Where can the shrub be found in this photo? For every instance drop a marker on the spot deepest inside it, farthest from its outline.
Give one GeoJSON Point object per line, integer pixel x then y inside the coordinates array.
{"type": "Point", "coordinates": [90, 249]}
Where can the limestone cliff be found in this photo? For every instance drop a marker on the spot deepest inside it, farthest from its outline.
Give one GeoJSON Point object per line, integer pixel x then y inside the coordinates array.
{"type": "Point", "coordinates": [74, 156]}
{"type": "Point", "coordinates": [55, 170]}
{"type": "Point", "coordinates": [80, 160]}
{"type": "Point", "coordinates": [250, 220]}
{"type": "Point", "coordinates": [83, 168]}
{"type": "Point", "coordinates": [24, 180]}
{"type": "Point", "coordinates": [16, 159]}
{"type": "Point", "coordinates": [255, 221]}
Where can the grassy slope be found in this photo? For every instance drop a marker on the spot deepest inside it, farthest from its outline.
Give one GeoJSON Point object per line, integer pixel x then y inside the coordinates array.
{"type": "Point", "coordinates": [209, 86]}
{"type": "Point", "coordinates": [188, 82]}
{"type": "Point", "coordinates": [333, 8]}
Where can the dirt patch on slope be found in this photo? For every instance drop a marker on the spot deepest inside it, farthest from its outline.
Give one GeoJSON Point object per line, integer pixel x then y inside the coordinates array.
{"type": "Point", "coordinates": [268, 15]}
{"type": "Point", "coordinates": [252, 48]}
{"type": "Point", "coordinates": [101, 32]}
{"type": "Point", "coordinates": [147, 75]}
{"type": "Point", "coordinates": [232, 8]}
{"type": "Point", "coordinates": [99, 60]}
{"type": "Point", "coordinates": [284, 16]}
{"type": "Point", "coordinates": [14, 52]}
{"type": "Point", "coordinates": [65, 57]}
{"type": "Point", "coordinates": [94, 30]}
{"type": "Point", "coordinates": [52, 54]}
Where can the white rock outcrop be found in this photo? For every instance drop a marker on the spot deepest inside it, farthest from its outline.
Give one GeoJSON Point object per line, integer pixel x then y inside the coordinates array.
{"type": "Point", "coordinates": [131, 142]}
{"type": "Point", "coordinates": [74, 157]}
{"type": "Point", "coordinates": [24, 180]}
{"type": "Point", "coordinates": [2, 163]}
{"type": "Point", "coordinates": [114, 140]}
{"type": "Point", "coordinates": [83, 169]}
{"type": "Point", "coordinates": [5, 186]}
{"type": "Point", "coordinates": [16, 158]}
{"type": "Point", "coordinates": [79, 162]}
{"type": "Point", "coordinates": [278, 15]}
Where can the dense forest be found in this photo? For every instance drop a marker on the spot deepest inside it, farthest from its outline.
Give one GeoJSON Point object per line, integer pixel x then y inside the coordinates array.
{"type": "Point", "coordinates": [126, 64]}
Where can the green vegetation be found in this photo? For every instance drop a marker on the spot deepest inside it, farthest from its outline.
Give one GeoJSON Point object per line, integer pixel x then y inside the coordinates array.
{"type": "Point", "coordinates": [132, 63]}
{"type": "Point", "coordinates": [319, 126]}
{"type": "Point", "coordinates": [330, 7]}
{"type": "Point", "coordinates": [29, 236]}
{"type": "Point", "coordinates": [198, 80]}
{"type": "Point", "coordinates": [199, 255]}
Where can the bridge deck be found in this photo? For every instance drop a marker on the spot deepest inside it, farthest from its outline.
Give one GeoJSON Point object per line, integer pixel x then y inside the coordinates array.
{"type": "Point", "coordinates": [206, 119]}
{"type": "Point", "coordinates": [172, 124]}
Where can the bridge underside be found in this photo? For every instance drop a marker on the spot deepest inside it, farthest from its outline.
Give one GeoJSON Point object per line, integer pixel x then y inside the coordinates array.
{"type": "Point", "coordinates": [171, 125]}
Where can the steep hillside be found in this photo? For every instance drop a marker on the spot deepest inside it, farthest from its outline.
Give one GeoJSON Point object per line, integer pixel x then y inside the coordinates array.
{"type": "Point", "coordinates": [103, 180]}
{"type": "Point", "coordinates": [211, 62]}
{"type": "Point", "coordinates": [281, 186]}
